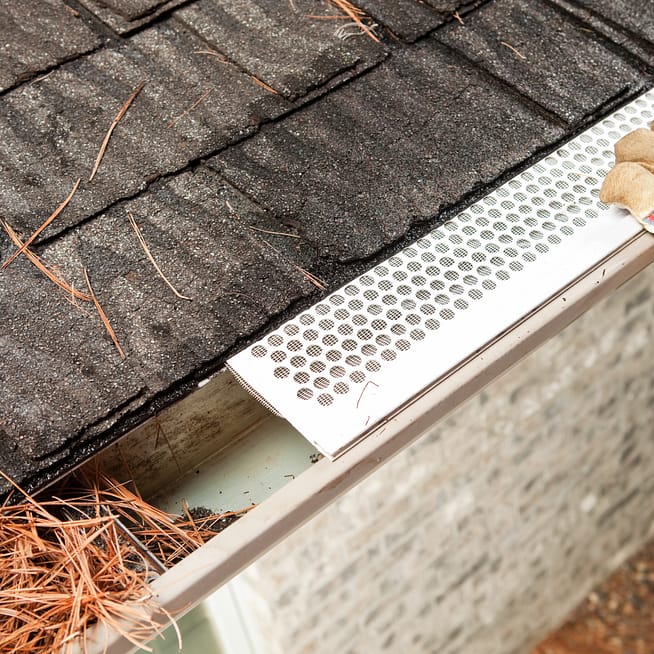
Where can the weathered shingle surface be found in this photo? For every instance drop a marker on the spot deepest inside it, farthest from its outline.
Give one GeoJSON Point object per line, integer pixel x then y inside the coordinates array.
{"type": "Point", "coordinates": [277, 44]}
{"type": "Point", "coordinates": [50, 132]}
{"type": "Point", "coordinates": [254, 116]}
{"type": "Point", "coordinates": [210, 253]}
{"type": "Point", "coordinates": [406, 19]}
{"type": "Point", "coordinates": [357, 170]}
{"type": "Point", "coordinates": [635, 17]}
{"type": "Point", "coordinates": [125, 16]}
{"type": "Point", "coordinates": [35, 36]}
{"type": "Point", "coordinates": [548, 58]}
{"type": "Point", "coordinates": [620, 23]}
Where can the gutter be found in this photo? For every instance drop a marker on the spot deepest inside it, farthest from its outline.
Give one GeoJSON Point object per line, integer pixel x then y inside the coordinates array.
{"type": "Point", "coordinates": [596, 263]}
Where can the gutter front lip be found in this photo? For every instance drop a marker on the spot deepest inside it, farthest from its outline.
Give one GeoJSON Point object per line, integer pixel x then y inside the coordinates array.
{"type": "Point", "coordinates": [185, 585]}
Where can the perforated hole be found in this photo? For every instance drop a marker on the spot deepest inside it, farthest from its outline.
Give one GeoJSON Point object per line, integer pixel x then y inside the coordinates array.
{"type": "Point", "coordinates": [301, 377]}
{"type": "Point", "coordinates": [281, 372]}
{"type": "Point", "coordinates": [329, 339]}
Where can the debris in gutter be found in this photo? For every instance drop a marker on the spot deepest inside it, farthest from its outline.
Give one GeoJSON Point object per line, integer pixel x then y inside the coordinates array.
{"type": "Point", "coordinates": [630, 183]}
{"type": "Point", "coordinates": [112, 127]}
{"type": "Point", "coordinates": [85, 556]}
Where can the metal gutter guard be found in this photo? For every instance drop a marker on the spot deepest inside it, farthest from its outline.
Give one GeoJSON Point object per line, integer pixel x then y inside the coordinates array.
{"type": "Point", "coordinates": [341, 367]}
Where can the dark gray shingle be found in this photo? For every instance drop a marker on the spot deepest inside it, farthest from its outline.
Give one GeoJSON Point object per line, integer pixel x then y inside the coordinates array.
{"type": "Point", "coordinates": [386, 152]}
{"type": "Point", "coordinates": [281, 46]}
{"type": "Point", "coordinates": [35, 36]}
{"type": "Point", "coordinates": [557, 64]}
{"type": "Point", "coordinates": [50, 132]}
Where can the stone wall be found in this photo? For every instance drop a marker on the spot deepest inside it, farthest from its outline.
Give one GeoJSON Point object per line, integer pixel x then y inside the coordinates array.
{"type": "Point", "coordinates": [483, 535]}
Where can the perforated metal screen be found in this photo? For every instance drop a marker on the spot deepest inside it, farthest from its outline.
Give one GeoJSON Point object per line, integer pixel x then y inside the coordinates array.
{"type": "Point", "coordinates": [342, 366]}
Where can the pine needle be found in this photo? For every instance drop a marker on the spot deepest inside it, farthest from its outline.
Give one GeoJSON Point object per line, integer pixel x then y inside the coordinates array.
{"type": "Point", "coordinates": [269, 231]}
{"type": "Point", "coordinates": [213, 53]}
{"type": "Point", "coordinates": [355, 14]}
{"type": "Point", "coordinates": [186, 112]}
{"type": "Point", "coordinates": [316, 281]}
{"type": "Point", "coordinates": [515, 51]}
{"type": "Point", "coordinates": [112, 127]}
{"type": "Point", "coordinates": [42, 266]}
{"type": "Point", "coordinates": [50, 218]}
{"type": "Point", "coordinates": [263, 85]}
{"type": "Point", "coordinates": [146, 249]}
{"type": "Point", "coordinates": [103, 317]}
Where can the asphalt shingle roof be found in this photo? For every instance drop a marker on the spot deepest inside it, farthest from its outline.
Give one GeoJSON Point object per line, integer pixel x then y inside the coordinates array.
{"type": "Point", "coordinates": [253, 114]}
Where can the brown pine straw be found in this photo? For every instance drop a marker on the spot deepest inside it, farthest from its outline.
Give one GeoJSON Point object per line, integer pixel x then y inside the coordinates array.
{"type": "Point", "coordinates": [48, 220]}
{"type": "Point", "coordinates": [66, 565]}
{"type": "Point", "coordinates": [213, 53]}
{"type": "Point", "coordinates": [515, 51]}
{"type": "Point", "coordinates": [59, 576]}
{"type": "Point", "coordinates": [103, 316]}
{"type": "Point", "coordinates": [313, 279]}
{"type": "Point", "coordinates": [355, 14]}
{"type": "Point", "coordinates": [43, 266]}
{"type": "Point", "coordinates": [186, 112]}
{"type": "Point", "coordinates": [263, 85]}
{"type": "Point", "coordinates": [112, 127]}
{"type": "Point", "coordinates": [146, 249]}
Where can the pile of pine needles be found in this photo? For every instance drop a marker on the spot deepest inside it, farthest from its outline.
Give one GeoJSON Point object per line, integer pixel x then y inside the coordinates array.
{"type": "Point", "coordinates": [72, 561]}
